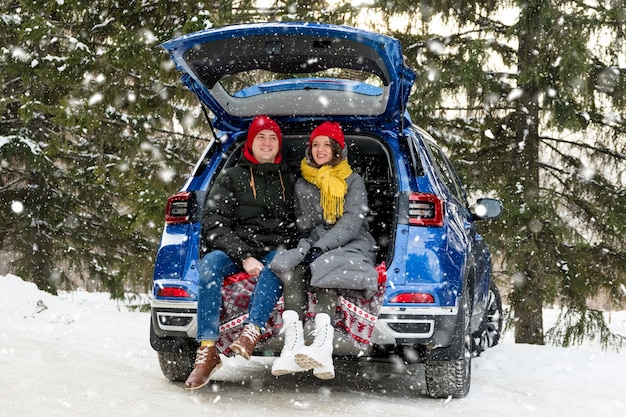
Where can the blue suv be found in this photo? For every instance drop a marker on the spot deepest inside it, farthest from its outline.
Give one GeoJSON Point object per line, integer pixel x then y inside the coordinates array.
{"type": "Point", "coordinates": [440, 306]}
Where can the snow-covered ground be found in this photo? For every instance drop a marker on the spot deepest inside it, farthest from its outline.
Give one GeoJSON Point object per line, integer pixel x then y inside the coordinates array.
{"type": "Point", "coordinates": [81, 354]}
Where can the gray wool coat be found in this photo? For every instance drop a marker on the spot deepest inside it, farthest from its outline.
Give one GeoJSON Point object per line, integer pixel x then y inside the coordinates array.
{"type": "Point", "coordinates": [349, 248]}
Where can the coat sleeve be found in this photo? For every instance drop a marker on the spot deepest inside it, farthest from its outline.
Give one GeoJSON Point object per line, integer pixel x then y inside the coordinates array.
{"type": "Point", "coordinates": [307, 207]}
{"type": "Point", "coordinates": [348, 227]}
{"type": "Point", "coordinates": [219, 217]}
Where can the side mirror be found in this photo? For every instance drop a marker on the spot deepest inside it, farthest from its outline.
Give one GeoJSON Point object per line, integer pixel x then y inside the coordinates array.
{"type": "Point", "coordinates": [488, 209]}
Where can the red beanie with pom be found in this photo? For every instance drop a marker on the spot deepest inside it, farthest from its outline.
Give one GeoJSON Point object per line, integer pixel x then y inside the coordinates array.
{"type": "Point", "coordinates": [330, 129]}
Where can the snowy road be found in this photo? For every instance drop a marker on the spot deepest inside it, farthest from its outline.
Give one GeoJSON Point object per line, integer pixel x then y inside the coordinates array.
{"type": "Point", "coordinates": [87, 356]}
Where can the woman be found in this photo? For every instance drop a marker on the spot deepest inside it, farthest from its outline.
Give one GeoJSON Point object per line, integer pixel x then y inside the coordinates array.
{"type": "Point", "coordinates": [336, 255]}
{"type": "Point", "coordinates": [248, 215]}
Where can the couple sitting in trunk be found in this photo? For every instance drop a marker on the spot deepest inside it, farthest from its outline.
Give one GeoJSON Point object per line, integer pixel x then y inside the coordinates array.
{"type": "Point", "coordinates": [250, 225]}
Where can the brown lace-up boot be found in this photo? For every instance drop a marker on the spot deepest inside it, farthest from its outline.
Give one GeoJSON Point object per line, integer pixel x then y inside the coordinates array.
{"type": "Point", "coordinates": [207, 362]}
{"type": "Point", "coordinates": [247, 340]}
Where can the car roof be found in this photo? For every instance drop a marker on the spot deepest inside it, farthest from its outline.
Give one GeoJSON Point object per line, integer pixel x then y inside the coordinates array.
{"type": "Point", "coordinates": [294, 69]}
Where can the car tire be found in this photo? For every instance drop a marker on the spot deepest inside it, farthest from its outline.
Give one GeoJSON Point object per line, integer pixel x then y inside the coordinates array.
{"type": "Point", "coordinates": [490, 333]}
{"type": "Point", "coordinates": [445, 379]}
{"type": "Point", "coordinates": [176, 366]}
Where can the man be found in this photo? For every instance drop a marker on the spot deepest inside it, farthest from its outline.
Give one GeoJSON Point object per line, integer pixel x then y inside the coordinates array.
{"type": "Point", "coordinates": [248, 215]}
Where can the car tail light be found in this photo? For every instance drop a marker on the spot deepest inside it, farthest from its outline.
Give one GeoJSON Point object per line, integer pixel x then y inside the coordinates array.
{"type": "Point", "coordinates": [413, 297]}
{"type": "Point", "coordinates": [425, 210]}
{"type": "Point", "coordinates": [173, 292]}
{"type": "Point", "coordinates": [178, 208]}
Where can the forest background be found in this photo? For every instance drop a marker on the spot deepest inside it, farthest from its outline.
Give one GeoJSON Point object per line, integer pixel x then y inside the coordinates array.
{"type": "Point", "coordinates": [527, 97]}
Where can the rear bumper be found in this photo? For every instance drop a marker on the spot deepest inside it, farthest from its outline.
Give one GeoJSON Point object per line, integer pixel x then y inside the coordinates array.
{"type": "Point", "coordinates": [174, 319]}
{"type": "Point", "coordinates": [431, 326]}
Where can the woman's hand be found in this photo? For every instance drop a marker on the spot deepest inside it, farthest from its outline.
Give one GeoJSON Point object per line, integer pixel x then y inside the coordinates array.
{"type": "Point", "coordinates": [312, 255]}
{"type": "Point", "coordinates": [252, 266]}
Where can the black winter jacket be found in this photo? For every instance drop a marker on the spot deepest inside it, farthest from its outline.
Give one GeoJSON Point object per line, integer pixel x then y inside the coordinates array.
{"type": "Point", "coordinates": [249, 211]}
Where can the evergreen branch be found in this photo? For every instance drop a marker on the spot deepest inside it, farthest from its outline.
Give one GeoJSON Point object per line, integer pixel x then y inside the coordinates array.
{"type": "Point", "coordinates": [579, 322]}
{"type": "Point", "coordinates": [585, 145]}
{"type": "Point", "coordinates": [9, 185]}
{"type": "Point", "coordinates": [151, 129]}
{"type": "Point", "coordinates": [552, 169]}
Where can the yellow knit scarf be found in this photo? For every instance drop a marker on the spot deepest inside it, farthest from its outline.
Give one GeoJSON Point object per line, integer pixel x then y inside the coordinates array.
{"type": "Point", "coordinates": [332, 184]}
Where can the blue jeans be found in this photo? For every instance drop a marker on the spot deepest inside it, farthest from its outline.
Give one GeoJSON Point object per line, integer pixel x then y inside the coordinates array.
{"type": "Point", "coordinates": [213, 268]}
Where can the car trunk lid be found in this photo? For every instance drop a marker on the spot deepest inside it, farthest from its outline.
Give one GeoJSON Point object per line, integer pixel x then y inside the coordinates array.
{"type": "Point", "coordinates": [306, 70]}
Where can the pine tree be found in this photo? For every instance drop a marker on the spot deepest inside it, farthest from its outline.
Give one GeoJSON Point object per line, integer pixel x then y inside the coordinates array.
{"type": "Point", "coordinates": [87, 143]}
{"type": "Point", "coordinates": [532, 110]}
{"type": "Point", "coordinates": [97, 131]}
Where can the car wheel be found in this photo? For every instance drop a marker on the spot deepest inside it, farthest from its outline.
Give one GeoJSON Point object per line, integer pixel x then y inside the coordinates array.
{"type": "Point", "coordinates": [176, 366]}
{"type": "Point", "coordinates": [446, 379]}
{"type": "Point", "coordinates": [491, 331]}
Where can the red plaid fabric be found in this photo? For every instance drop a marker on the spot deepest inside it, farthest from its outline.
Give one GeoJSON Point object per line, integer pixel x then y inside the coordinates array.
{"type": "Point", "coordinates": [355, 316]}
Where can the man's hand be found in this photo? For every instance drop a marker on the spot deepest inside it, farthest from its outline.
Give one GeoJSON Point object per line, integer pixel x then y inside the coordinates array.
{"type": "Point", "coordinates": [252, 266]}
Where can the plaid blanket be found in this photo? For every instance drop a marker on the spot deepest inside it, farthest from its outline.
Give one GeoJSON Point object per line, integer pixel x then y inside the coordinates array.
{"type": "Point", "coordinates": [354, 317]}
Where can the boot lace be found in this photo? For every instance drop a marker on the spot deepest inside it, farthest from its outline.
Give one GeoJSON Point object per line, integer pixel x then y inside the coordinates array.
{"type": "Point", "coordinates": [250, 332]}
{"type": "Point", "coordinates": [290, 336]}
{"type": "Point", "coordinates": [201, 356]}
{"type": "Point", "coordinates": [321, 335]}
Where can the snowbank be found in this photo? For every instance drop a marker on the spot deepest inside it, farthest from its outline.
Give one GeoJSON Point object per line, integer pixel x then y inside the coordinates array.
{"type": "Point", "coordinates": [82, 354]}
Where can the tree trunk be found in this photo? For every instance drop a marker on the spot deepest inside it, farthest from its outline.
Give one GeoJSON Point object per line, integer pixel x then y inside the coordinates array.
{"type": "Point", "coordinates": [528, 305]}
{"type": "Point", "coordinates": [529, 312]}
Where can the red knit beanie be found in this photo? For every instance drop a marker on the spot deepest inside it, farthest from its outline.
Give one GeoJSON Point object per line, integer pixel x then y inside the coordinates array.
{"type": "Point", "coordinates": [261, 123]}
{"type": "Point", "coordinates": [330, 129]}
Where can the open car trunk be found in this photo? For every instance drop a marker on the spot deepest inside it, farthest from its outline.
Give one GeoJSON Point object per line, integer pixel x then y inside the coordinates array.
{"type": "Point", "coordinates": [369, 157]}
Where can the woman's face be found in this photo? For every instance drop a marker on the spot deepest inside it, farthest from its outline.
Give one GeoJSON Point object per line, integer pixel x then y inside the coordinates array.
{"type": "Point", "coordinates": [265, 146]}
{"type": "Point", "coordinates": [322, 150]}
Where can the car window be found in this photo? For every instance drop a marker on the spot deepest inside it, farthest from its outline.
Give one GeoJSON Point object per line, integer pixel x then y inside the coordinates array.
{"type": "Point", "coordinates": [236, 84]}
{"type": "Point", "coordinates": [447, 173]}
{"type": "Point", "coordinates": [415, 163]}
{"type": "Point", "coordinates": [455, 179]}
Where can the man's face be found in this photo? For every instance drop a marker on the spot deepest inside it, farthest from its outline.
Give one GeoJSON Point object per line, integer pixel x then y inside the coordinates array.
{"type": "Point", "coordinates": [265, 146]}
